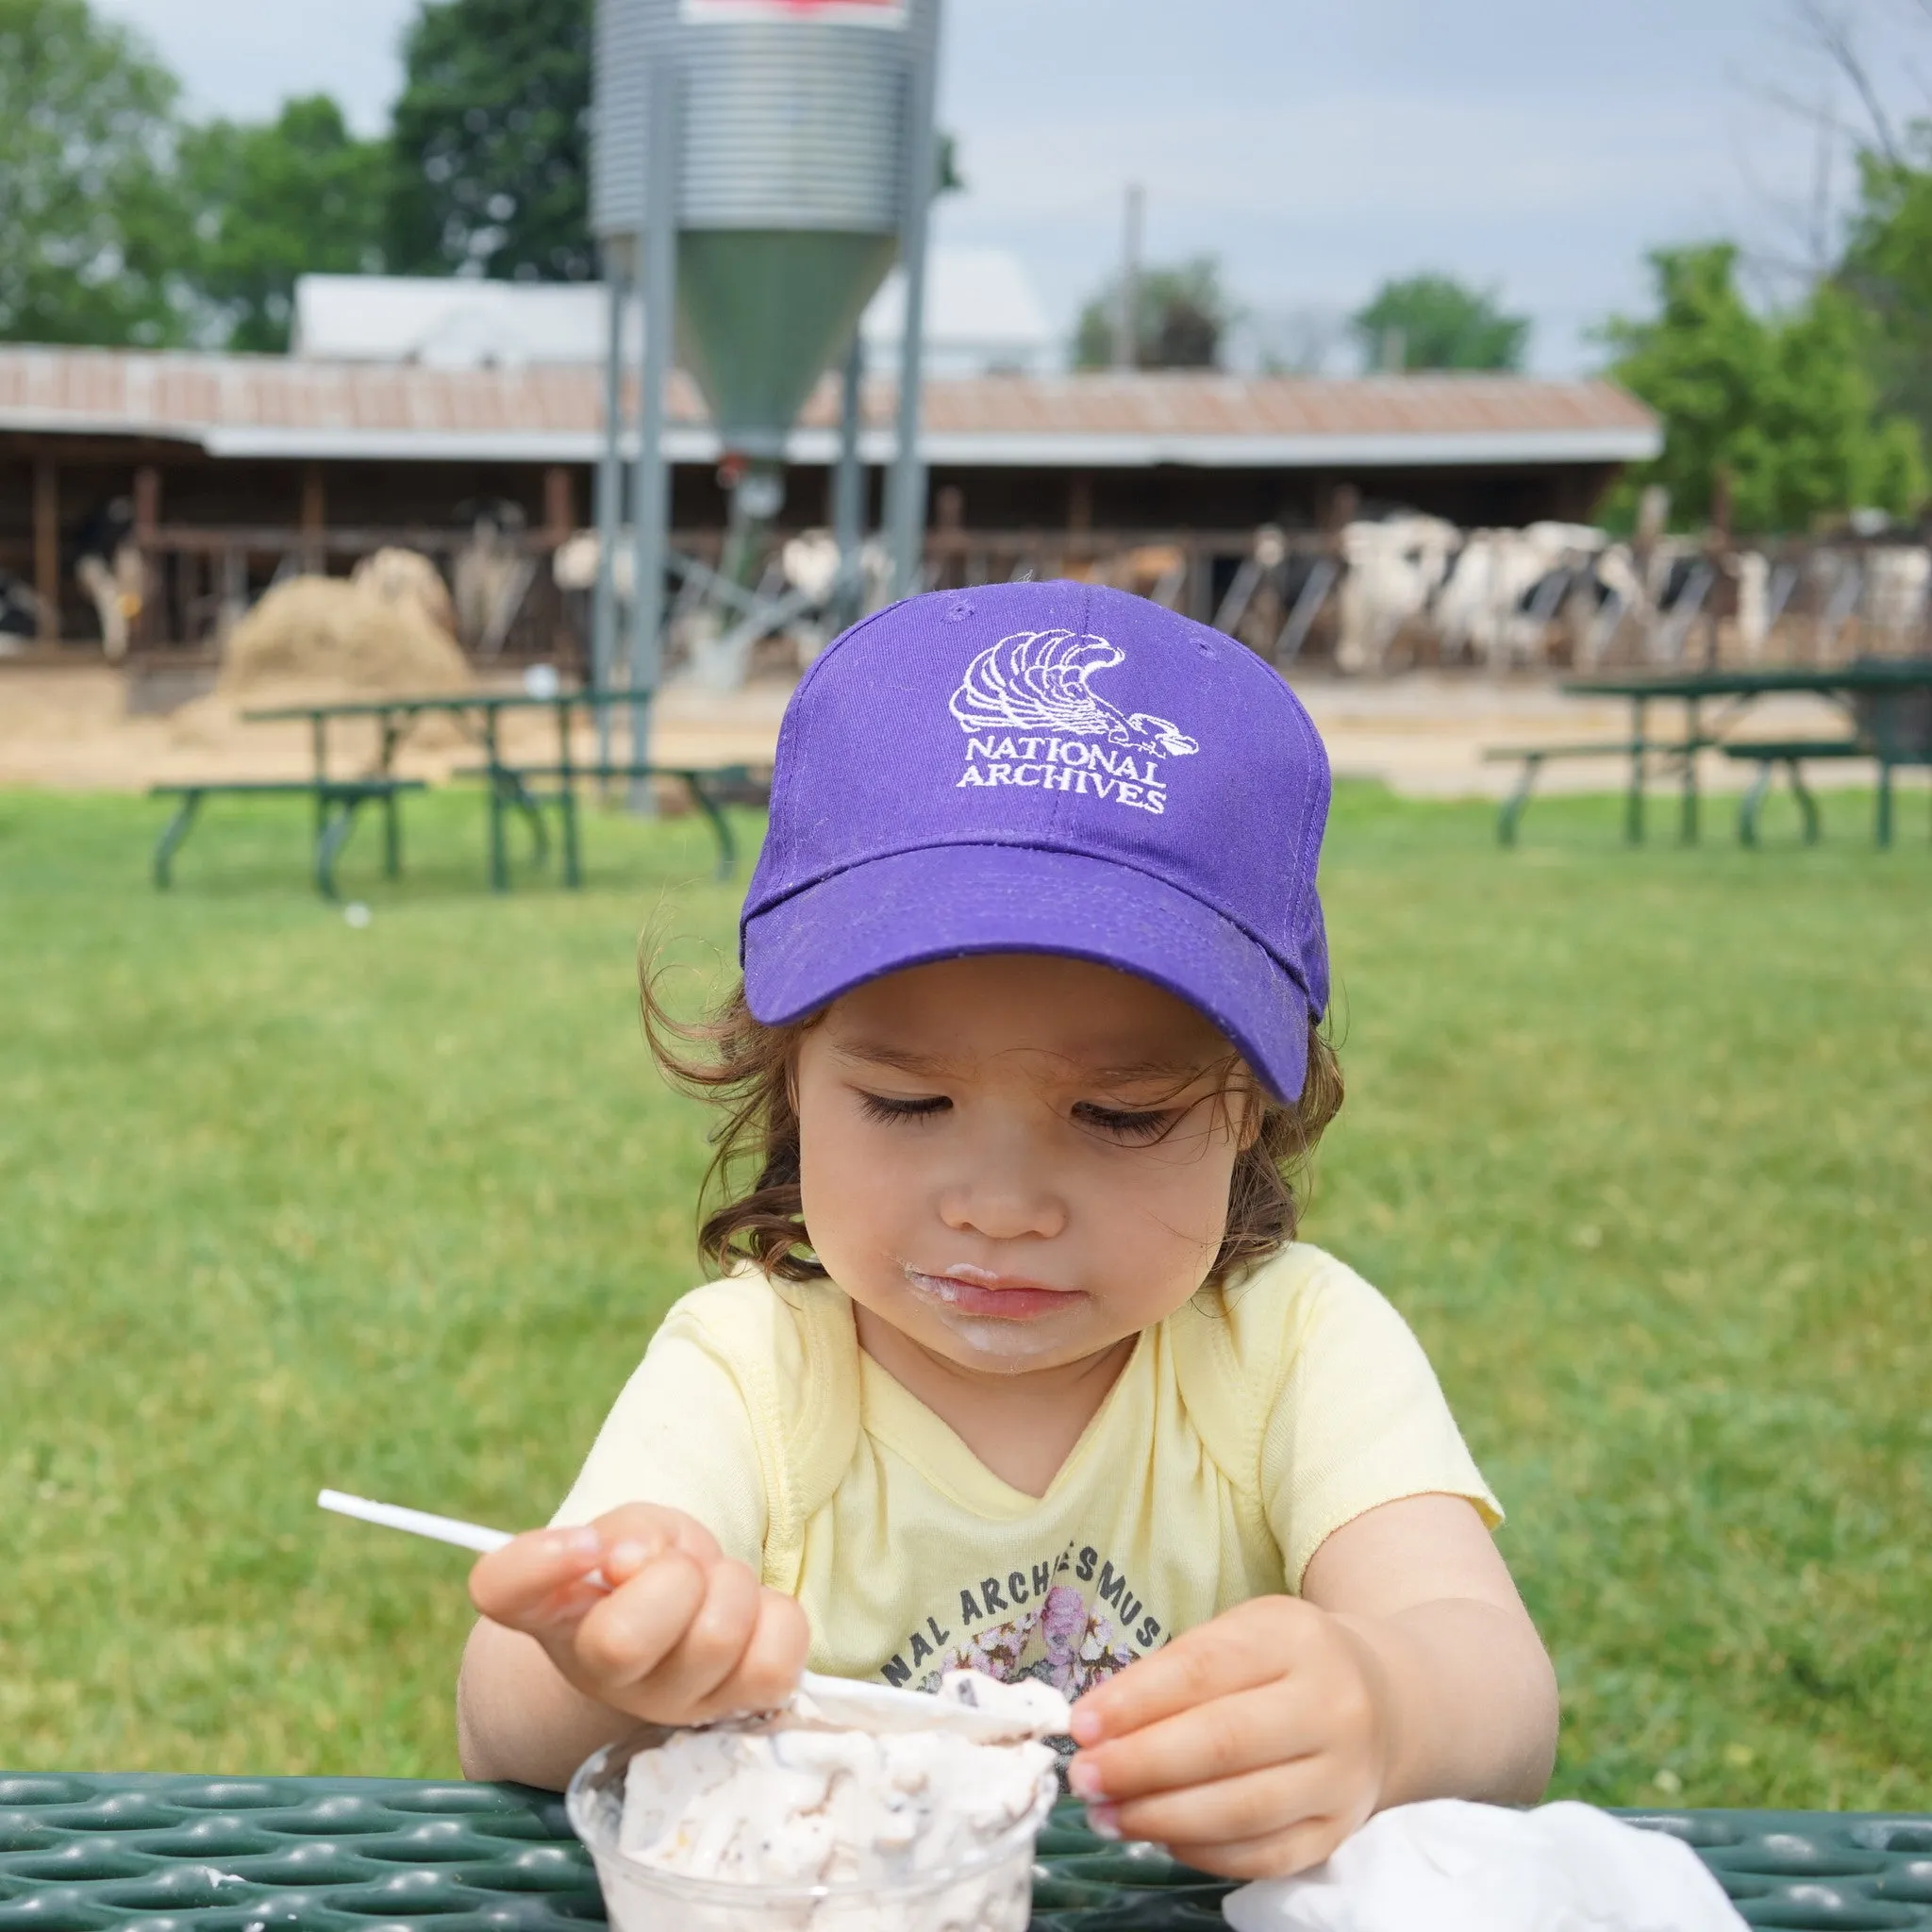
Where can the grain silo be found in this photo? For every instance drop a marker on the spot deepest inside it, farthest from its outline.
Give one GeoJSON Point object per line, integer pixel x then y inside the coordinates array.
{"type": "Point", "coordinates": [760, 165]}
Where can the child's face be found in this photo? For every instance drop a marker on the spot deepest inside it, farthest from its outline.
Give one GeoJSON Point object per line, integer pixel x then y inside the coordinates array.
{"type": "Point", "coordinates": [1017, 1161]}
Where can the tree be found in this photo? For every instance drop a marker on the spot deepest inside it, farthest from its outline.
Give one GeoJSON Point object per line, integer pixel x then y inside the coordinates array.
{"type": "Point", "coordinates": [1437, 322]}
{"type": "Point", "coordinates": [1182, 314]}
{"type": "Point", "coordinates": [491, 141]}
{"type": "Point", "coordinates": [1783, 405]}
{"type": "Point", "coordinates": [1888, 270]}
{"type": "Point", "coordinates": [274, 200]}
{"type": "Point", "coordinates": [91, 225]}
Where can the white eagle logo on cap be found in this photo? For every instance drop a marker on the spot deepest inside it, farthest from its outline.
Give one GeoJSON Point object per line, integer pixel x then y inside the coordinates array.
{"type": "Point", "coordinates": [1038, 680]}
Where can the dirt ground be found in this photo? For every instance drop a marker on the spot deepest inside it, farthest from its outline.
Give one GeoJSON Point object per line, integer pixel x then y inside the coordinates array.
{"type": "Point", "coordinates": [89, 725]}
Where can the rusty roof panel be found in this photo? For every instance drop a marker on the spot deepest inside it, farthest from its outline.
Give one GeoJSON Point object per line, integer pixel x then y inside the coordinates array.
{"type": "Point", "coordinates": [198, 395]}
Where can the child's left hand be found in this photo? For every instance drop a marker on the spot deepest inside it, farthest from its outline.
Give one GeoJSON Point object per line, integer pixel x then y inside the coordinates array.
{"type": "Point", "coordinates": [1251, 1746]}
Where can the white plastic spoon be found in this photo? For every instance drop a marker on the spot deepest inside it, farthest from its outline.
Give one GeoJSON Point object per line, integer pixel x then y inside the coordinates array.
{"type": "Point", "coordinates": [1034, 1710]}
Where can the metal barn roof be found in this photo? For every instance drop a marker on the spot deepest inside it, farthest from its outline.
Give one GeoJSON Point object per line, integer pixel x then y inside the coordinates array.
{"type": "Point", "coordinates": [298, 407]}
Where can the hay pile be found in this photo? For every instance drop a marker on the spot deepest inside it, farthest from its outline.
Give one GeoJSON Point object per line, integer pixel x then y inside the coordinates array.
{"type": "Point", "coordinates": [389, 628]}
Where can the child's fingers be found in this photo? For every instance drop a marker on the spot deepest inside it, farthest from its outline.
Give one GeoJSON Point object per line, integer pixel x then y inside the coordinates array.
{"type": "Point", "coordinates": [1224, 1738]}
{"type": "Point", "coordinates": [1213, 1660]}
{"type": "Point", "coordinates": [768, 1671]}
{"type": "Point", "coordinates": [511, 1585]}
{"type": "Point", "coordinates": [1279, 1855]}
{"type": "Point", "coordinates": [714, 1642]}
{"type": "Point", "coordinates": [1230, 1811]}
{"type": "Point", "coordinates": [653, 1527]}
{"type": "Point", "coordinates": [627, 1636]}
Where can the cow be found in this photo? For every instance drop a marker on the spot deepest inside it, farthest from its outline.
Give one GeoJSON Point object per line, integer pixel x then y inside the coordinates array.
{"type": "Point", "coordinates": [20, 616]}
{"type": "Point", "coordinates": [1505, 587]}
{"type": "Point", "coordinates": [491, 573]}
{"type": "Point", "coordinates": [108, 566]}
{"type": "Point", "coordinates": [1395, 567]}
{"type": "Point", "coordinates": [1897, 577]}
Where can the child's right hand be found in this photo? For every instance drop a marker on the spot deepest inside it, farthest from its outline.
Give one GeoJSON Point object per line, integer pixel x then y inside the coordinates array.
{"type": "Point", "coordinates": [683, 1634]}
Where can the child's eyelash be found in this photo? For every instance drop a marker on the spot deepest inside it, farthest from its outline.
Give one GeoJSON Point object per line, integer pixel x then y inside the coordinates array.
{"type": "Point", "coordinates": [882, 1107]}
{"type": "Point", "coordinates": [1127, 1125]}
{"type": "Point", "coordinates": [1123, 1123]}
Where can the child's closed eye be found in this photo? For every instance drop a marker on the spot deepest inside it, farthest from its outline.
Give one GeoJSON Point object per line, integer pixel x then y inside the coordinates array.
{"type": "Point", "coordinates": [1127, 1124]}
{"type": "Point", "coordinates": [889, 1106]}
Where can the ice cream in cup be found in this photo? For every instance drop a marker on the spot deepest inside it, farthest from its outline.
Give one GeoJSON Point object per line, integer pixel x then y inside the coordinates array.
{"type": "Point", "coordinates": [789, 1823]}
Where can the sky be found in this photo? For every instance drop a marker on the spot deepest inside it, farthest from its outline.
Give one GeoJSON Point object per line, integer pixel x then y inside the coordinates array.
{"type": "Point", "coordinates": [1538, 147]}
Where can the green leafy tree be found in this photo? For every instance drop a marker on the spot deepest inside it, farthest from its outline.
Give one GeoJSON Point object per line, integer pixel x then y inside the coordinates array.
{"type": "Point", "coordinates": [1785, 405]}
{"type": "Point", "coordinates": [91, 225]}
{"type": "Point", "coordinates": [1440, 324]}
{"type": "Point", "coordinates": [491, 141]}
{"type": "Point", "coordinates": [1182, 314]}
{"type": "Point", "coordinates": [1888, 269]}
{"type": "Point", "coordinates": [273, 200]}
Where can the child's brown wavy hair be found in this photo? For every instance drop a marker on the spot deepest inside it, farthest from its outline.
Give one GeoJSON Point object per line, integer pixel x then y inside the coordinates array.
{"type": "Point", "coordinates": [742, 1067]}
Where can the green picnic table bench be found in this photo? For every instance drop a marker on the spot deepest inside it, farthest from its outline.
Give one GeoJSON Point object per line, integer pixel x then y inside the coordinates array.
{"type": "Point", "coordinates": [336, 802]}
{"type": "Point", "coordinates": [98, 1853]}
{"type": "Point", "coordinates": [1534, 757]}
{"type": "Point", "coordinates": [528, 789]}
{"type": "Point", "coordinates": [1885, 704]}
{"type": "Point", "coordinates": [1790, 755]}
{"type": "Point", "coordinates": [1889, 707]}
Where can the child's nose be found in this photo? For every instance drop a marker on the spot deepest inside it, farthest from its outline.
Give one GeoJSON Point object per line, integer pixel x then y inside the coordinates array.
{"type": "Point", "coordinates": [1007, 1192]}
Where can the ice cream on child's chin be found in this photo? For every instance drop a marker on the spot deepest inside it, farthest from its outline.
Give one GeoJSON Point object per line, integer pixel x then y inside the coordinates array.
{"type": "Point", "coordinates": [791, 1801]}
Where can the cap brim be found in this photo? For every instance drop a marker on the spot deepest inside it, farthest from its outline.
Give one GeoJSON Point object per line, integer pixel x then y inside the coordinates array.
{"type": "Point", "coordinates": [947, 902]}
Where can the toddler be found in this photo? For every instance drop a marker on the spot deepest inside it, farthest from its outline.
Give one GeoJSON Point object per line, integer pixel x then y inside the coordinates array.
{"type": "Point", "coordinates": [1014, 1360]}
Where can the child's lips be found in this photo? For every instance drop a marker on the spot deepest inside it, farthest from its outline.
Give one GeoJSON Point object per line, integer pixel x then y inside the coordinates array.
{"type": "Point", "coordinates": [1002, 1297]}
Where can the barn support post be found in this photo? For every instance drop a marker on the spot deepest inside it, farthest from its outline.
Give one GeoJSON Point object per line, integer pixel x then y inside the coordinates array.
{"type": "Point", "coordinates": [618, 262]}
{"type": "Point", "coordinates": [1080, 501]}
{"type": "Point", "coordinates": [559, 505]}
{"type": "Point", "coordinates": [234, 606]}
{"type": "Point", "coordinates": [1199, 594]}
{"type": "Point", "coordinates": [314, 520]}
{"type": "Point", "coordinates": [907, 515]}
{"type": "Point", "coordinates": [147, 519]}
{"type": "Point", "coordinates": [559, 519]}
{"type": "Point", "coordinates": [848, 490]}
{"type": "Point", "coordinates": [652, 495]}
{"type": "Point", "coordinates": [47, 548]}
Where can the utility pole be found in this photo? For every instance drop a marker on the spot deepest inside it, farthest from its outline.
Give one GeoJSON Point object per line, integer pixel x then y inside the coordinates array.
{"type": "Point", "coordinates": [905, 485]}
{"type": "Point", "coordinates": [849, 489]}
{"type": "Point", "coordinates": [1127, 323]}
{"type": "Point", "coordinates": [618, 279]}
{"type": "Point", "coordinates": [651, 489]}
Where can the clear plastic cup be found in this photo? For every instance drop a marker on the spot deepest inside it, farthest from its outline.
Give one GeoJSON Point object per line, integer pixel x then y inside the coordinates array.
{"type": "Point", "coordinates": [992, 1892]}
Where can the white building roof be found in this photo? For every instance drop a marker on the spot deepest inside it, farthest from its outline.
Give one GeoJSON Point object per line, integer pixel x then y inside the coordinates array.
{"type": "Point", "coordinates": [981, 315]}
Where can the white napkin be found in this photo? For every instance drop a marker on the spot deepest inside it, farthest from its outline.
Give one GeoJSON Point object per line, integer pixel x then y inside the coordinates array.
{"type": "Point", "coordinates": [1455, 1867]}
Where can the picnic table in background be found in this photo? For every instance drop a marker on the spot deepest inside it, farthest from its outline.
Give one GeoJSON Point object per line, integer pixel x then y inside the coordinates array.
{"type": "Point", "coordinates": [336, 802]}
{"type": "Point", "coordinates": [524, 787]}
{"type": "Point", "coordinates": [90, 1854]}
{"type": "Point", "coordinates": [1887, 703]}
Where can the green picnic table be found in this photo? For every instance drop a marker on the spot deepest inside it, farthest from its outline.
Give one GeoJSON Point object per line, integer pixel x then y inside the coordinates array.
{"type": "Point", "coordinates": [157, 1853]}
{"type": "Point", "coordinates": [528, 787]}
{"type": "Point", "coordinates": [1889, 702]}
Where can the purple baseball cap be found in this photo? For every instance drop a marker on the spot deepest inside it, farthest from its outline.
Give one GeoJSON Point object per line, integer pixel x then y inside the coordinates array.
{"type": "Point", "coordinates": [1048, 767]}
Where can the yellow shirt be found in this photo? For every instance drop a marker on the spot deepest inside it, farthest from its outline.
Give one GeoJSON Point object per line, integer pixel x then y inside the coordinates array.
{"type": "Point", "coordinates": [1244, 1430]}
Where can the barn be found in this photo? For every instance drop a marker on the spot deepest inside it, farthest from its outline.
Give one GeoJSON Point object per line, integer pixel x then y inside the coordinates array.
{"type": "Point", "coordinates": [234, 467]}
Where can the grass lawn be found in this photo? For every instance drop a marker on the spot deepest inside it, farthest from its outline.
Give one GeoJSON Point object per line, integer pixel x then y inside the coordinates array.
{"type": "Point", "coordinates": [1640, 1143]}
